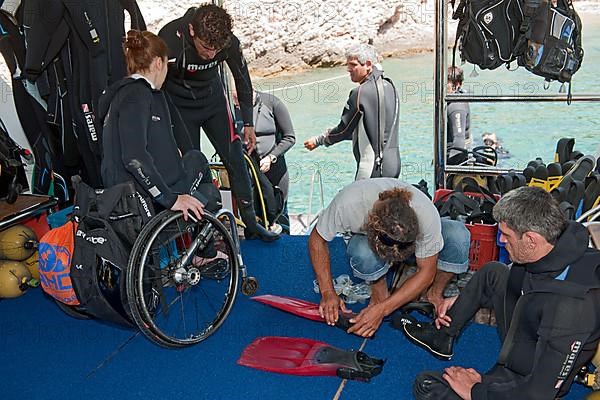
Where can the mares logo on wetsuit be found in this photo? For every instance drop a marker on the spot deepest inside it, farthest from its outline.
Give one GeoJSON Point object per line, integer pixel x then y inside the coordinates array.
{"type": "Point", "coordinates": [89, 121]}
{"type": "Point", "coordinates": [200, 67]}
{"type": "Point", "coordinates": [568, 363]}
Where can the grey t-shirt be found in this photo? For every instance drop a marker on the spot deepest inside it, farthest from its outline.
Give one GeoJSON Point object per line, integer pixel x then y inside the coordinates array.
{"type": "Point", "coordinates": [348, 212]}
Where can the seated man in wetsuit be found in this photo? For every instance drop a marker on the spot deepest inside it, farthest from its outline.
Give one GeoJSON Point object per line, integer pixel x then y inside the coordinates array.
{"type": "Point", "coordinates": [138, 143]}
{"type": "Point", "coordinates": [546, 306]}
{"type": "Point", "coordinates": [370, 118]}
{"type": "Point", "coordinates": [388, 222]}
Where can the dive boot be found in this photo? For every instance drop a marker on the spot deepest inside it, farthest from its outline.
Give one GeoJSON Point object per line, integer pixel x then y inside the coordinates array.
{"type": "Point", "coordinates": [253, 229]}
{"type": "Point", "coordinates": [434, 340]}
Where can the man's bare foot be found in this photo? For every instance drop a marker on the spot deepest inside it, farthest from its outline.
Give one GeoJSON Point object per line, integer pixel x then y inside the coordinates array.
{"type": "Point", "coordinates": [433, 298]}
{"type": "Point", "coordinates": [379, 291]}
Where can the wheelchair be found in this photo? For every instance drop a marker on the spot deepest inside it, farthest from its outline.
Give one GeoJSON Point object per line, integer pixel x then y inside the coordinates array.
{"type": "Point", "coordinates": [174, 302]}
{"type": "Point", "coordinates": [167, 289]}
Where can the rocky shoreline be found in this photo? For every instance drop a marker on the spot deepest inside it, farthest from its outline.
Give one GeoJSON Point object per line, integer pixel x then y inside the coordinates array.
{"type": "Point", "coordinates": [283, 36]}
{"type": "Point", "coordinates": [286, 36]}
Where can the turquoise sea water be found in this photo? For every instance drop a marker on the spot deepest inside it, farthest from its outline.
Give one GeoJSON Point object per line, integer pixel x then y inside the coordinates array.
{"type": "Point", "coordinates": [527, 130]}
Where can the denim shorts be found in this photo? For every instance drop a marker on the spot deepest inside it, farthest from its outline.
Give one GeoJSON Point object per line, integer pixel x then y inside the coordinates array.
{"type": "Point", "coordinates": [454, 257]}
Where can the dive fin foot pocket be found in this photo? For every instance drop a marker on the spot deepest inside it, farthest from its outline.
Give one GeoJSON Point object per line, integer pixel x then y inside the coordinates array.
{"type": "Point", "coordinates": [307, 357]}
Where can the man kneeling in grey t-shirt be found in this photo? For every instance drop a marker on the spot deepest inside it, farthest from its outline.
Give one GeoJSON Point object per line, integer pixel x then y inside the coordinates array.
{"type": "Point", "coordinates": [389, 221]}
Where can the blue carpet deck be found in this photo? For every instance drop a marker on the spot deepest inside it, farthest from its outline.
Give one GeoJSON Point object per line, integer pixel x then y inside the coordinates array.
{"type": "Point", "coordinates": [44, 354]}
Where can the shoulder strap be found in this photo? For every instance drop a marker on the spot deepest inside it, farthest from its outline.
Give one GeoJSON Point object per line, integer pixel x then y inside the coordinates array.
{"type": "Point", "coordinates": [380, 124]}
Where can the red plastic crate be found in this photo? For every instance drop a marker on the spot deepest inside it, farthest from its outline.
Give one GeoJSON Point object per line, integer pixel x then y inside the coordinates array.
{"type": "Point", "coordinates": [483, 245]}
{"type": "Point", "coordinates": [483, 237]}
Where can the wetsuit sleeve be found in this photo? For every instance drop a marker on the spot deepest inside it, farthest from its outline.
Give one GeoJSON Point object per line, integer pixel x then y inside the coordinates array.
{"type": "Point", "coordinates": [562, 334]}
{"type": "Point", "coordinates": [243, 84]}
{"type": "Point", "coordinates": [348, 123]}
{"type": "Point", "coordinates": [134, 116]}
{"type": "Point", "coordinates": [458, 125]}
{"type": "Point", "coordinates": [283, 121]}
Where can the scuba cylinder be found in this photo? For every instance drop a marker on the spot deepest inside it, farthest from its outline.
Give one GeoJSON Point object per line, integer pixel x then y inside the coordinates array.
{"type": "Point", "coordinates": [32, 264]}
{"type": "Point", "coordinates": [17, 243]}
{"type": "Point", "coordinates": [14, 279]}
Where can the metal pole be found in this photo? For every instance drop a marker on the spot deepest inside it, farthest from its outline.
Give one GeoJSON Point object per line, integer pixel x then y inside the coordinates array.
{"type": "Point", "coordinates": [439, 127]}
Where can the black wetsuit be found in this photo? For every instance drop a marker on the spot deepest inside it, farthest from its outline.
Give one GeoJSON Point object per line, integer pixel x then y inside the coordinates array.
{"type": "Point", "coordinates": [77, 47]}
{"type": "Point", "coordinates": [274, 136]}
{"type": "Point", "coordinates": [458, 126]}
{"type": "Point", "coordinates": [195, 89]}
{"type": "Point", "coordinates": [548, 321]}
{"type": "Point", "coordinates": [31, 114]}
{"type": "Point", "coordinates": [360, 123]}
{"type": "Point", "coordinates": [139, 145]}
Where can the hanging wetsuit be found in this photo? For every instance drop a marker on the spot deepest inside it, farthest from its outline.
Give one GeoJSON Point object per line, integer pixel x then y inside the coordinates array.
{"type": "Point", "coordinates": [79, 45]}
{"type": "Point", "coordinates": [375, 150]}
{"type": "Point", "coordinates": [458, 130]}
{"type": "Point", "coordinates": [30, 112]}
{"type": "Point", "coordinates": [140, 147]}
{"type": "Point", "coordinates": [197, 99]}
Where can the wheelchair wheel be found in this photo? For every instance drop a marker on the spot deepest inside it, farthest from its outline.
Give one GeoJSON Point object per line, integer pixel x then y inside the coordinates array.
{"type": "Point", "coordinates": [175, 297]}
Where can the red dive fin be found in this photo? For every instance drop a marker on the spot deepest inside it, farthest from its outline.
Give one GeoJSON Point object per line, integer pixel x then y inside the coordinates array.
{"type": "Point", "coordinates": [302, 308]}
{"type": "Point", "coordinates": [307, 357]}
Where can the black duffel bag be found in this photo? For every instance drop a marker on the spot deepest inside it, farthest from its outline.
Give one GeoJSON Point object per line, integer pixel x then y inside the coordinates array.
{"type": "Point", "coordinates": [109, 221]}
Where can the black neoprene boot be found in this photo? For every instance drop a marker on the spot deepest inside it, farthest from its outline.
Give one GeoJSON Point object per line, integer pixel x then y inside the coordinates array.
{"type": "Point", "coordinates": [434, 340]}
{"type": "Point", "coordinates": [253, 229]}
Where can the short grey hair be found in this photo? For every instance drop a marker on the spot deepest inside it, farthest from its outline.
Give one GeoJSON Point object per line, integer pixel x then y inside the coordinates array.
{"type": "Point", "coordinates": [531, 209]}
{"type": "Point", "coordinates": [363, 52]}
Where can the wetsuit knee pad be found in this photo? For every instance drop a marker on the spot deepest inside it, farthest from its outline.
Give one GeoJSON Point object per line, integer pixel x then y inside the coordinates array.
{"type": "Point", "coordinates": [209, 195]}
{"type": "Point", "coordinates": [194, 161]}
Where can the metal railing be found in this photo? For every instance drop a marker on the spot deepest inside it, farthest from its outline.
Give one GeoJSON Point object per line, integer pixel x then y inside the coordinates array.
{"type": "Point", "coordinates": [441, 99]}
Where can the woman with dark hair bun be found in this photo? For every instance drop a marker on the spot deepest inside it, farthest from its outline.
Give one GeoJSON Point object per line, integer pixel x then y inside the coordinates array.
{"type": "Point", "coordinates": [138, 142]}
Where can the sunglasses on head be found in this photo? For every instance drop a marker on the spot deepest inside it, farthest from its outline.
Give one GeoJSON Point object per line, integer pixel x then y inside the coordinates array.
{"type": "Point", "coordinates": [390, 241]}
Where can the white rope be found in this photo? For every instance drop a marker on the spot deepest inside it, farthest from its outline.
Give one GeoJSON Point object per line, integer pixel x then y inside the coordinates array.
{"type": "Point", "coordinates": [307, 84]}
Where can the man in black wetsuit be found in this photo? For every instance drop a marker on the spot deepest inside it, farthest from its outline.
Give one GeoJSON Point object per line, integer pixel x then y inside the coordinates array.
{"type": "Point", "coordinates": [458, 115]}
{"type": "Point", "coordinates": [546, 307]}
{"type": "Point", "coordinates": [198, 42]}
{"type": "Point", "coordinates": [370, 118]}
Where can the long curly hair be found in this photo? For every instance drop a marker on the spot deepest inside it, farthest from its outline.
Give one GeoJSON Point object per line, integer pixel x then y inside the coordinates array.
{"type": "Point", "coordinates": [213, 25]}
{"type": "Point", "coordinates": [392, 216]}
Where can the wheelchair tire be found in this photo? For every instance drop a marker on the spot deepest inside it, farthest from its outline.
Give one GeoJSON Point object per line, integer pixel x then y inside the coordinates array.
{"type": "Point", "coordinates": [160, 285]}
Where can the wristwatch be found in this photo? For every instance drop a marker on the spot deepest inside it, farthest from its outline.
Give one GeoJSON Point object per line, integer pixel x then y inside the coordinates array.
{"type": "Point", "coordinates": [273, 158]}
